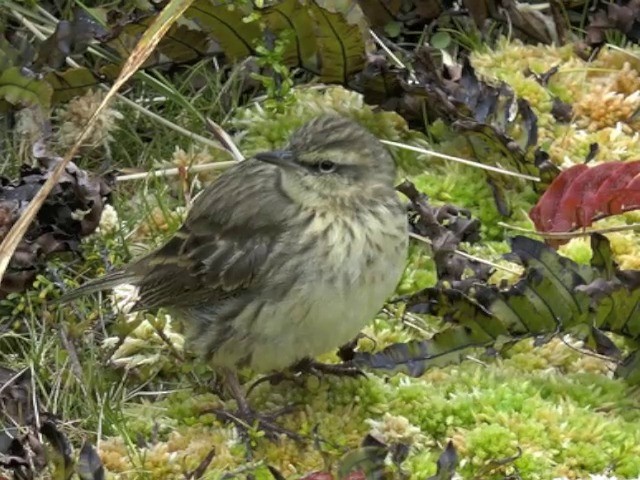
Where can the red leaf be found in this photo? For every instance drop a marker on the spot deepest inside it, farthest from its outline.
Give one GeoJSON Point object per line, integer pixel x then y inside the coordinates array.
{"type": "Point", "coordinates": [318, 476]}
{"type": "Point", "coordinates": [580, 195]}
{"type": "Point", "coordinates": [359, 475]}
{"type": "Point", "coordinates": [544, 212]}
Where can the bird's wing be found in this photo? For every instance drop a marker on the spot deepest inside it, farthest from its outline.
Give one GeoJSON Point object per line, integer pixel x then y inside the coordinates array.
{"type": "Point", "coordinates": [228, 236]}
{"type": "Point", "coordinates": [192, 268]}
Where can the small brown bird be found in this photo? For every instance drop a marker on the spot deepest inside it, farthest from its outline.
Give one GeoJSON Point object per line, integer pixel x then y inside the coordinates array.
{"type": "Point", "coordinates": [284, 257]}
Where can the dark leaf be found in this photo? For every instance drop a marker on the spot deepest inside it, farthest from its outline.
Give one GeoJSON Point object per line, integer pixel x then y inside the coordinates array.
{"type": "Point", "coordinates": [70, 83]}
{"type": "Point", "coordinates": [57, 227]}
{"type": "Point", "coordinates": [553, 296]}
{"type": "Point", "coordinates": [204, 464]}
{"type": "Point", "coordinates": [69, 38]}
{"type": "Point", "coordinates": [341, 33]}
{"type": "Point", "coordinates": [528, 22]}
{"type": "Point", "coordinates": [380, 12]}
{"type": "Point", "coordinates": [446, 226]}
{"type": "Point", "coordinates": [327, 38]}
{"type": "Point", "coordinates": [594, 148]}
{"type": "Point", "coordinates": [560, 20]}
{"type": "Point", "coordinates": [603, 344]}
{"type": "Point", "coordinates": [630, 368]}
{"type": "Point", "coordinates": [225, 24]}
{"type": "Point", "coordinates": [561, 111]}
{"type": "Point", "coordinates": [478, 10]}
{"type": "Point", "coordinates": [89, 466]}
{"type": "Point", "coordinates": [625, 18]}
{"type": "Point", "coordinates": [447, 463]}
{"type": "Point", "coordinates": [16, 403]}
{"type": "Point", "coordinates": [278, 476]}
{"type": "Point", "coordinates": [602, 256]}
{"type": "Point", "coordinates": [12, 452]}
{"type": "Point", "coordinates": [60, 459]}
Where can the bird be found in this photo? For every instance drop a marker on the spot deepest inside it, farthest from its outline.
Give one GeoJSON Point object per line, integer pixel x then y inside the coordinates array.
{"type": "Point", "coordinates": [284, 257]}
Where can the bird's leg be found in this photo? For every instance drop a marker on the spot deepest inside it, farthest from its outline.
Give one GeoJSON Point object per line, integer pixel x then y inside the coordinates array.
{"type": "Point", "coordinates": [232, 383]}
{"type": "Point", "coordinates": [245, 417]}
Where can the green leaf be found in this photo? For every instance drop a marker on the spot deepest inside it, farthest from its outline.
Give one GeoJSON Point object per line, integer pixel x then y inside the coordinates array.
{"type": "Point", "coordinates": [340, 31]}
{"type": "Point", "coordinates": [440, 40]}
{"type": "Point", "coordinates": [368, 459]}
{"type": "Point", "coordinates": [21, 90]}
{"type": "Point", "coordinates": [70, 83]}
{"type": "Point", "coordinates": [226, 24]}
{"type": "Point", "coordinates": [393, 29]}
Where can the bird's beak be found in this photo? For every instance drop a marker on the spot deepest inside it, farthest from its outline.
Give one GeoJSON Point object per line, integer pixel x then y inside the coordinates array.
{"type": "Point", "coordinates": [281, 158]}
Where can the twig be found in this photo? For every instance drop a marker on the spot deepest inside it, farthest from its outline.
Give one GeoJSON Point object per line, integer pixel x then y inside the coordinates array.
{"type": "Point", "coordinates": [590, 353]}
{"type": "Point", "coordinates": [570, 235]}
{"type": "Point", "coordinates": [393, 56]}
{"type": "Point", "coordinates": [468, 256]}
{"type": "Point", "coordinates": [460, 160]}
{"type": "Point", "coordinates": [173, 171]}
{"type": "Point", "coordinates": [163, 336]}
{"type": "Point", "coordinates": [13, 378]}
{"type": "Point", "coordinates": [225, 139]}
{"type": "Point", "coordinates": [622, 50]}
{"type": "Point", "coordinates": [76, 368]}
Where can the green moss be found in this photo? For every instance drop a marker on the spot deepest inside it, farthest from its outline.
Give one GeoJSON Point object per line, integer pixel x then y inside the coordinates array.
{"type": "Point", "coordinates": [420, 271]}
{"type": "Point", "coordinates": [467, 188]}
{"type": "Point", "coordinates": [561, 408]}
{"type": "Point", "coordinates": [266, 128]}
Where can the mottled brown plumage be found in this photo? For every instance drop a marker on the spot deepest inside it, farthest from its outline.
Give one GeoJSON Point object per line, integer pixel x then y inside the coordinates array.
{"type": "Point", "coordinates": [286, 255]}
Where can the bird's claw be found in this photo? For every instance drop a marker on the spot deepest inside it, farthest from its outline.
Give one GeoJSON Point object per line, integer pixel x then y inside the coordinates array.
{"type": "Point", "coordinates": [248, 420]}
{"type": "Point", "coordinates": [318, 368]}
{"type": "Point", "coordinates": [308, 366]}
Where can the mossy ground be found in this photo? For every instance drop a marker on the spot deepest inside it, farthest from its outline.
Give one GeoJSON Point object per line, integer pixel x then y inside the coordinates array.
{"type": "Point", "coordinates": [540, 412]}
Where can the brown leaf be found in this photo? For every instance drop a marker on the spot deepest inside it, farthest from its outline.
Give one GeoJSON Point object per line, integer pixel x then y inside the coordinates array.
{"type": "Point", "coordinates": [71, 212]}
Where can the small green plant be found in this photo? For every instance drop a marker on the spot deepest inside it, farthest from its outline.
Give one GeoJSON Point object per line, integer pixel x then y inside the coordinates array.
{"type": "Point", "coordinates": [277, 79]}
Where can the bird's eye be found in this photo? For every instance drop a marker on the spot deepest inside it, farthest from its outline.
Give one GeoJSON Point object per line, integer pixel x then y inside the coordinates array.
{"type": "Point", "coordinates": [326, 166]}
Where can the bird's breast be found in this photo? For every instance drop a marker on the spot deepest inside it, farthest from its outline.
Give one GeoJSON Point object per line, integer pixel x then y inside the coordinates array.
{"type": "Point", "coordinates": [354, 266]}
{"type": "Point", "coordinates": [344, 266]}
{"type": "Point", "coordinates": [356, 245]}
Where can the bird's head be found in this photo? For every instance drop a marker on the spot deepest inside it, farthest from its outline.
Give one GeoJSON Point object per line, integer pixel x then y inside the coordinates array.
{"type": "Point", "coordinates": [332, 160]}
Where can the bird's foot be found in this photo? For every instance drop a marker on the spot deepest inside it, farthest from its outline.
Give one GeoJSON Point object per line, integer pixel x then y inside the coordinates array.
{"type": "Point", "coordinates": [247, 421]}
{"type": "Point", "coordinates": [313, 367]}
{"type": "Point", "coordinates": [305, 367]}
{"type": "Point", "coordinates": [274, 379]}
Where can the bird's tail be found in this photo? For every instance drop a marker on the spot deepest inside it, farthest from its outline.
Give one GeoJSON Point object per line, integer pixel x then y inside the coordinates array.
{"type": "Point", "coordinates": [103, 283]}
